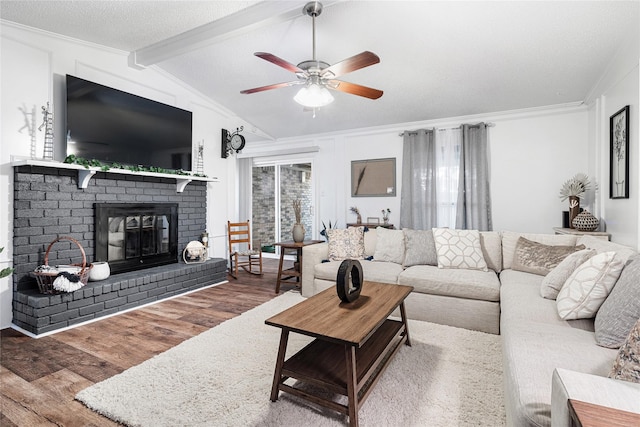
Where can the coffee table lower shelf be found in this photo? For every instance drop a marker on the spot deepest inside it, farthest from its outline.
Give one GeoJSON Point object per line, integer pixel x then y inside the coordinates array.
{"type": "Point", "coordinates": [330, 365]}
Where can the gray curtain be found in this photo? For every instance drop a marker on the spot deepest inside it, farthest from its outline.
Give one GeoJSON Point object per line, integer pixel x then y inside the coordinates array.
{"type": "Point", "coordinates": [473, 210]}
{"type": "Point", "coordinates": [418, 204]}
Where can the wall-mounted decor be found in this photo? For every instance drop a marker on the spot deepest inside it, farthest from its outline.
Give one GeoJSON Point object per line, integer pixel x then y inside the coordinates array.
{"type": "Point", "coordinates": [373, 178]}
{"type": "Point", "coordinates": [619, 154]}
{"type": "Point", "coordinates": [232, 142]}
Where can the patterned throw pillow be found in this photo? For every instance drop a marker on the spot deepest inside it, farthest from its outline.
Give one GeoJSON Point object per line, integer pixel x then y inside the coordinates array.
{"type": "Point", "coordinates": [621, 309]}
{"type": "Point", "coordinates": [552, 282]}
{"type": "Point", "coordinates": [346, 243]}
{"type": "Point", "coordinates": [586, 289]}
{"type": "Point", "coordinates": [459, 249]}
{"type": "Point", "coordinates": [389, 245]}
{"type": "Point", "coordinates": [536, 258]}
{"type": "Point", "coordinates": [420, 248]}
{"type": "Point", "coordinates": [627, 364]}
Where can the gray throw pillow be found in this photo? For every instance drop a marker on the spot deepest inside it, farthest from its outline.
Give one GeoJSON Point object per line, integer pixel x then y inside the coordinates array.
{"type": "Point", "coordinates": [536, 258]}
{"type": "Point", "coordinates": [420, 248]}
{"type": "Point", "coordinates": [621, 310]}
{"type": "Point", "coordinates": [552, 282]}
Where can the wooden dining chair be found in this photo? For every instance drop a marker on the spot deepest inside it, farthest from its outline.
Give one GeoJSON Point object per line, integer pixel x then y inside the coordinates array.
{"type": "Point", "coordinates": [240, 252]}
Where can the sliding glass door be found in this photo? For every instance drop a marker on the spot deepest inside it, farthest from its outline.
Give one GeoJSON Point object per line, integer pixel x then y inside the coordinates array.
{"type": "Point", "coordinates": [275, 186]}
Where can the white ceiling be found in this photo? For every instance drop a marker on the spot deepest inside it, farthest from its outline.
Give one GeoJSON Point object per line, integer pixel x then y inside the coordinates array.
{"type": "Point", "coordinates": [438, 59]}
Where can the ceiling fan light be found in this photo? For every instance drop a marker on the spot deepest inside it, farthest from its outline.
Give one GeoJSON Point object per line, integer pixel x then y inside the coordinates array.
{"type": "Point", "coordinates": [313, 96]}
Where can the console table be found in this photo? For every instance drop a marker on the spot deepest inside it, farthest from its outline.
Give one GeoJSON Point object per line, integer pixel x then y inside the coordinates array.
{"type": "Point", "coordinates": [371, 225]}
{"type": "Point", "coordinates": [599, 234]}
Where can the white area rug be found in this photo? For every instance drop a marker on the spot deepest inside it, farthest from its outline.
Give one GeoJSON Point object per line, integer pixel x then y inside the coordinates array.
{"type": "Point", "coordinates": [222, 377]}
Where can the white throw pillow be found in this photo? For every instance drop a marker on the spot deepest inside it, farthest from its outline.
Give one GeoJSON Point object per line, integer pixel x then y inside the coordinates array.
{"type": "Point", "coordinates": [389, 246]}
{"type": "Point", "coordinates": [459, 249]}
{"type": "Point", "coordinates": [588, 286]}
{"type": "Point", "coordinates": [553, 282]}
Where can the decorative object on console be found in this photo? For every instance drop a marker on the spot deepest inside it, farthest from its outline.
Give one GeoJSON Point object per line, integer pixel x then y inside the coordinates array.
{"type": "Point", "coordinates": [619, 158]}
{"type": "Point", "coordinates": [349, 280]}
{"type": "Point", "coordinates": [318, 76]}
{"type": "Point", "coordinates": [298, 230]}
{"type": "Point", "coordinates": [385, 215]}
{"type": "Point", "coordinates": [100, 271]}
{"type": "Point", "coordinates": [356, 211]}
{"type": "Point", "coordinates": [194, 252]}
{"type": "Point", "coordinates": [585, 221]}
{"type": "Point", "coordinates": [574, 189]}
{"type": "Point", "coordinates": [232, 142]}
{"type": "Point", "coordinates": [47, 123]}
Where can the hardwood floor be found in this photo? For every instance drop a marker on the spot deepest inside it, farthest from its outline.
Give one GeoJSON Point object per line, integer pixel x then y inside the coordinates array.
{"type": "Point", "coordinates": [40, 377]}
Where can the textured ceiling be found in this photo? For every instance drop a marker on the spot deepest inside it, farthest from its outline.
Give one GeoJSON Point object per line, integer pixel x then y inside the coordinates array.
{"type": "Point", "coordinates": [438, 59]}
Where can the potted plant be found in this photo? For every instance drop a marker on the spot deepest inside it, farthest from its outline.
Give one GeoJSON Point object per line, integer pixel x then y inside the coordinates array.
{"type": "Point", "coordinates": [5, 271]}
{"type": "Point", "coordinates": [323, 233]}
{"type": "Point", "coordinates": [356, 211]}
{"type": "Point", "coordinates": [385, 215]}
{"type": "Point", "coordinates": [298, 230]}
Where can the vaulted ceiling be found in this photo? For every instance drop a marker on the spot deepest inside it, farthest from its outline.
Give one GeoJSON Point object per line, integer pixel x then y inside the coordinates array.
{"type": "Point", "coordinates": [438, 59]}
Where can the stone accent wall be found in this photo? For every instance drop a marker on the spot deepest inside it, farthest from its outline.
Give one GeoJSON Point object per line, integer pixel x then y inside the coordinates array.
{"type": "Point", "coordinates": [49, 204]}
{"type": "Point", "coordinates": [292, 187]}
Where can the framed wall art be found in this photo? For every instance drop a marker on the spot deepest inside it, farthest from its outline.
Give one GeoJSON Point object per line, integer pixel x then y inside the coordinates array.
{"type": "Point", "coordinates": [619, 154]}
{"type": "Point", "coordinates": [373, 178]}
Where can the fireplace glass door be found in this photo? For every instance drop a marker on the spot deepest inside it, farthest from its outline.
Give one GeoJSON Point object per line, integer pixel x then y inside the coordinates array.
{"type": "Point", "coordinates": [134, 236]}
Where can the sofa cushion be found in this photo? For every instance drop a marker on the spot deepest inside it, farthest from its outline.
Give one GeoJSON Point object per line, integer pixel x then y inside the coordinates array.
{"type": "Point", "coordinates": [538, 258]}
{"type": "Point", "coordinates": [510, 239]}
{"type": "Point", "coordinates": [627, 364]}
{"type": "Point", "coordinates": [603, 245]}
{"type": "Point", "coordinates": [462, 283]}
{"type": "Point", "coordinates": [420, 248]}
{"type": "Point", "coordinates": [588, 286]}
{"type": "Point", "coordinates": [491, 243]}
{"type": "Point", "coordinates": [390, 245]}
{"type": "Point", "coordinates": [385, 272]}
{"type": "Point", "coordinates": [621, 309]}
{"type": "Point", "coordinates": [552, 282]}
{"type": "Point", "coordinates": [346, 243]}
{"type": "Point", "coordinates": [459, 249]}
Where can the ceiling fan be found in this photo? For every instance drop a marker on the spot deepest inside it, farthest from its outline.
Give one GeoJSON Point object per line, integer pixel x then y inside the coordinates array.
{"type": "Point", "coordinates": [318, 76]}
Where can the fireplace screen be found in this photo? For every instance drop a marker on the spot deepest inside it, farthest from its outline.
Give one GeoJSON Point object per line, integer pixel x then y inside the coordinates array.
{"type": "Point", "coordinates": [133, 236]}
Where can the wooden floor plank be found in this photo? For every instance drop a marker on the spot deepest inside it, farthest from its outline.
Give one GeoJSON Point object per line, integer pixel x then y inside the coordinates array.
{"type": "Point", "coordinates": [39, 378]}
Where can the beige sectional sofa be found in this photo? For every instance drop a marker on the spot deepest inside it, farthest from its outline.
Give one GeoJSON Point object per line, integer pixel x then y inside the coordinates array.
{"type": "Point", "coordinates": [547, 360]}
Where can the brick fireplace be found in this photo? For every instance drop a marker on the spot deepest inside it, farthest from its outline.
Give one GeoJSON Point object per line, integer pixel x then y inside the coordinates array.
{"type": "Point", "coordinates": [48, 203]}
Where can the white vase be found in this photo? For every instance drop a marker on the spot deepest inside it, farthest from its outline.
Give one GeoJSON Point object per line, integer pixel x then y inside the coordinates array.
{"type": "Point", "coordinates": [100, 271]}
{"type": "Point", "coordinates": [298, 232]}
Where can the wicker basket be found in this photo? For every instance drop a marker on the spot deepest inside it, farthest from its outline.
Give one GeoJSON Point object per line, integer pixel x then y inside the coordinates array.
{"type": "Point", "coordinates": [46, 279]}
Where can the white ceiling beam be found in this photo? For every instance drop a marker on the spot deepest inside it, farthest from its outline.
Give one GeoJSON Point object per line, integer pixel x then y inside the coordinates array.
{"type": "Point", "coordinates": [254, 17]}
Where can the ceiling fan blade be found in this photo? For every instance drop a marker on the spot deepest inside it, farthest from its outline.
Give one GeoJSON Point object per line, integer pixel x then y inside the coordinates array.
{"type": "Point", "coordinates": [279, 62]}
{"type": "Point", "coordinates": [269, 87]}
{"type": "Point", "coordinates": [348, 65]}
{"type": "Point", "coordinates": [354, 89]}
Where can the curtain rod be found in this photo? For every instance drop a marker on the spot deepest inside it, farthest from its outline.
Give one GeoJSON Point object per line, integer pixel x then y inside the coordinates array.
{"type": "Point", "coordinates": [488, 124]}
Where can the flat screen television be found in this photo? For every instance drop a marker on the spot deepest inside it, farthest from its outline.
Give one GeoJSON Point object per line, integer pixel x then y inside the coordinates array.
{"type": "Point", "coordinates": [113, 126]}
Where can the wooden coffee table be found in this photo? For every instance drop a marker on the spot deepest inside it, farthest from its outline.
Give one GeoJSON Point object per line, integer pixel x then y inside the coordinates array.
{"type": "Point", "coordinates": [353, 346]}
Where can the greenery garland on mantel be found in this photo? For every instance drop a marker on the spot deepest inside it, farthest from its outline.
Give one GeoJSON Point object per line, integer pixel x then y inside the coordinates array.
{"type": "Point", "coordinates": [75, 160]}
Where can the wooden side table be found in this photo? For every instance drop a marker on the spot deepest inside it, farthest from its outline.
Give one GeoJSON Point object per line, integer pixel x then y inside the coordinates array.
{"type": "Point", "coordinates": [584, 414]}
{"type": "Point", "coordinates": [295, 272]}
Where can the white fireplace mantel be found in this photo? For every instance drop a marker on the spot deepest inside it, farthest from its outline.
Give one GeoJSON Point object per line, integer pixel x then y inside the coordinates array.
{"type": "Point", "coordinates": [85, 174]}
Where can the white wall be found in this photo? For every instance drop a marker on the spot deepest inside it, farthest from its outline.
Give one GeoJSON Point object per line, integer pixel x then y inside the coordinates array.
{"type": "Point", "coordinates": [532, 153]}
{"type": "Point", "coordinates": [619, 86]}
{"type": "Point", "coordinates": [34, 64]}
